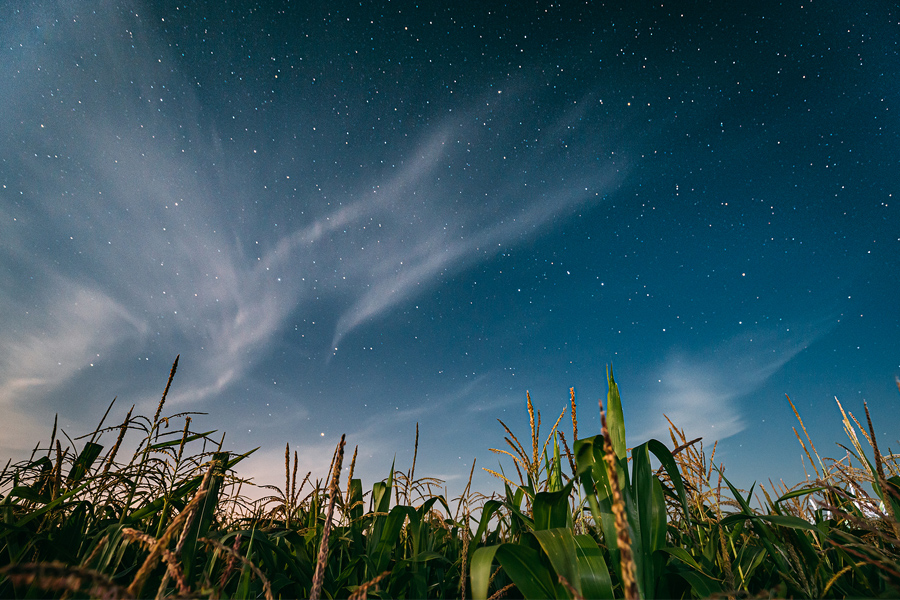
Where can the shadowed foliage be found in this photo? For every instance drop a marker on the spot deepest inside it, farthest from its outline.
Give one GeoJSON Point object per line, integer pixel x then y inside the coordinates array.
{"type": "Point", "coordinates": [596, 519]}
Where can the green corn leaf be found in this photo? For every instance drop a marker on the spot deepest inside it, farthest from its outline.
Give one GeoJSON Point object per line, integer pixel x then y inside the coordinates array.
{"type": "Point", "coordinates": [668, 462]}
{"type": "Point", "coordinates": [782, 520]}
{"type": "Point", "coordinates": [650, 501]}
{"type": "Point", "coordinates": [490, 507]}
{"type": "Point", "coordinates": [416, 532]}
{"type": "Point", "coordinates": [703, 586]}
{"type": "Point", "coordinates": [112, 553]}
{"type": "Point", "coordinates": [551, 509]}
{"type": "Point", "coordinates": [480, 570]}
{"type": "Point", "coordinates": [43, 462]}
{"type": "Point", "coordinates": [595, 579]}
{"type": "Point", "coordinates": [381, 493]}
{"type": "Point", "coordinates": [559, 546]}
{"type": "Point", "coordinates": [278, 583]}
{"type": "Point", "coordinates": [39, 512]}
{"type": "Point", "coordinates": [515, 498]}
{"type": "Point", "coordinates": [177, 442]}
{"type": "Point", "coordinates": [615, 419]}
{"type": "Point", "coordinates": [520, 520]}
{"type": "Point", "coordinates": [746, 562]}
{"type": "Point", "coordinates": [646, 508]}
{"type": "Point", "coordinates": [243, 589]}
{"type": "Point", "coordinates": [28, 493]}
{"type": "Point", "coordinates": [412, 573]}
{"type": "Point", "coordinates": [182, 492]}
{"type": "Point", "coordinates": [682, 555]}
{"type": "Point", "coordinates": [424, 557]}
{"type": "Point", "coordinates": [801, 492]}
{"type": "Point", "coordinates": [381, 499]}
{"type": "Point", "coordinates": [83, 463]}
{"type": "Point", "coordinates": [381, 503]}
{"type": "Point", "coordinates": [523, 565]}
{"type": "Point", "coordinates": [553, 467]}
{"type": "Point", "coordinates": [205, 513]}
{"type": "Point", "coordinates": [584, 455]}
{"type": "Point", "coordinates": [764, 532]}
{"type": "Point", "coordinates": [595, 482]}
{"type": "Point", "coordinates": [296, 564]}
{"type": "Point", "coordinates": [390, 533]}
{"type": "Point", "coordinates": [42, 483]}
{"type": "Point", "coordinates": [356, 498]}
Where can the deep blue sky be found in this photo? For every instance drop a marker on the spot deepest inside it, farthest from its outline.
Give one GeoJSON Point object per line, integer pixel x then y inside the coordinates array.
{"type": "Point", "coordinates": [358, 217]}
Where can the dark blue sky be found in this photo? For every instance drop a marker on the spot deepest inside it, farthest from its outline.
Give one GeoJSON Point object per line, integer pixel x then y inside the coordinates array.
{"type": "Point", "coordinates": [358, 217]}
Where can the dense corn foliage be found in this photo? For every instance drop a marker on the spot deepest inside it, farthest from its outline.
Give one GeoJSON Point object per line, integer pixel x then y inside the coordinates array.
{"type": "Point", "coordinates": [596, 519]}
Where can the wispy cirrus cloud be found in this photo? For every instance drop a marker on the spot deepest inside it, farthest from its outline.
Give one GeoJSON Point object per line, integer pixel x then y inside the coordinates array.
{"type": "Point", "coordinates": [51, 340]}
{"type": "Point", "coordinates": [700, 391]}
{"type": "Point", "coordinates": [136, 224]}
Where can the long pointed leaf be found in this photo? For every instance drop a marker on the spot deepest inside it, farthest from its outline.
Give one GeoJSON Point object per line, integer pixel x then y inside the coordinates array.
{"type": "Point", "coordinates": [765, 533]}
{"type": "Point", "coordinates": [480, 570]}
{"type": "Point", "coordinates": [595, 482]}
{"type": "Point", "coordinates": [668, 462]}
{"type": "Point", "coordinates": [381, 557]}
{"type": "Point", "coordinates": [782, 520]}
{"type": "Point", "coordinates": [615, 419]}
{"type": "Point", "coordinates": [83, 463]}
{"type": "Point", "coordinates": [205, 514]}
{"type": "Point", "coordinates": [490, 507]}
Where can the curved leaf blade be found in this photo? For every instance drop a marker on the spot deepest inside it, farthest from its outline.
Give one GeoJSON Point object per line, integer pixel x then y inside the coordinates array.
{"type": "Point", "coordinates": [559, 546]}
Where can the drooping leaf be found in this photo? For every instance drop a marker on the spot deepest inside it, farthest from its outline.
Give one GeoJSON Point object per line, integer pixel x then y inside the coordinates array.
{"type": "Point", "coordinates": [551, 509]}
{"type": "Point", "coordinates": [83, 463]}
{"type": "Point", "coordinates": [703, 586]}
{"type": "Point", "coordinates": [782, 520]}
{"type": "Point", "coordinates": [490, 507]}
{"type": "Point", "coordinates": [798, 493]}
{"type": "Point", "coordinates": [178, 441]}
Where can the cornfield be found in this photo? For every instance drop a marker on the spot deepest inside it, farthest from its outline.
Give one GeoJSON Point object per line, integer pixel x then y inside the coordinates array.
{"type": "Point", "coordinates": [588, 519]}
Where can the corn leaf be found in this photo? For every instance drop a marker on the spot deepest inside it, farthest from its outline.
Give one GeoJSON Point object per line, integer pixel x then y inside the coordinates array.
{"type": "Point", "coordinates": [615, 419]}
{"type": "Point", "coordinates": [595, 579]}
{"type": "Point", "coordinates": [559, 546]}
{"type": "Point", "coordinates": [551, 509]}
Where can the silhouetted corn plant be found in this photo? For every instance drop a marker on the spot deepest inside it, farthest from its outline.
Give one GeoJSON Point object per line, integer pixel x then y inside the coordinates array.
{"type": "Point", "coordinates": [594, 520]}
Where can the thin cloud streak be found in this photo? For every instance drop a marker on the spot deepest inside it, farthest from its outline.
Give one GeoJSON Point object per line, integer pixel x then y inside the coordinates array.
{"type": "Point", "coordinates": [418, 264]}
{"type": "Point", "coordinates": [152, 250]}
{"type": "Point", "coordinates": [55, 342]}
{"type": "Point", "coordinates": [699, 392]}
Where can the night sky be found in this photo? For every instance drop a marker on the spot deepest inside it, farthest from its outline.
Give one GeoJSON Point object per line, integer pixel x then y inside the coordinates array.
{"type": "Point", "coordinates": [353, 217]}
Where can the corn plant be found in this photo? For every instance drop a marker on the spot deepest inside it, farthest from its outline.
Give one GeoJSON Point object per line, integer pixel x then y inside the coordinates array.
{"type": "Point", "coordinates": [594, 520]}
